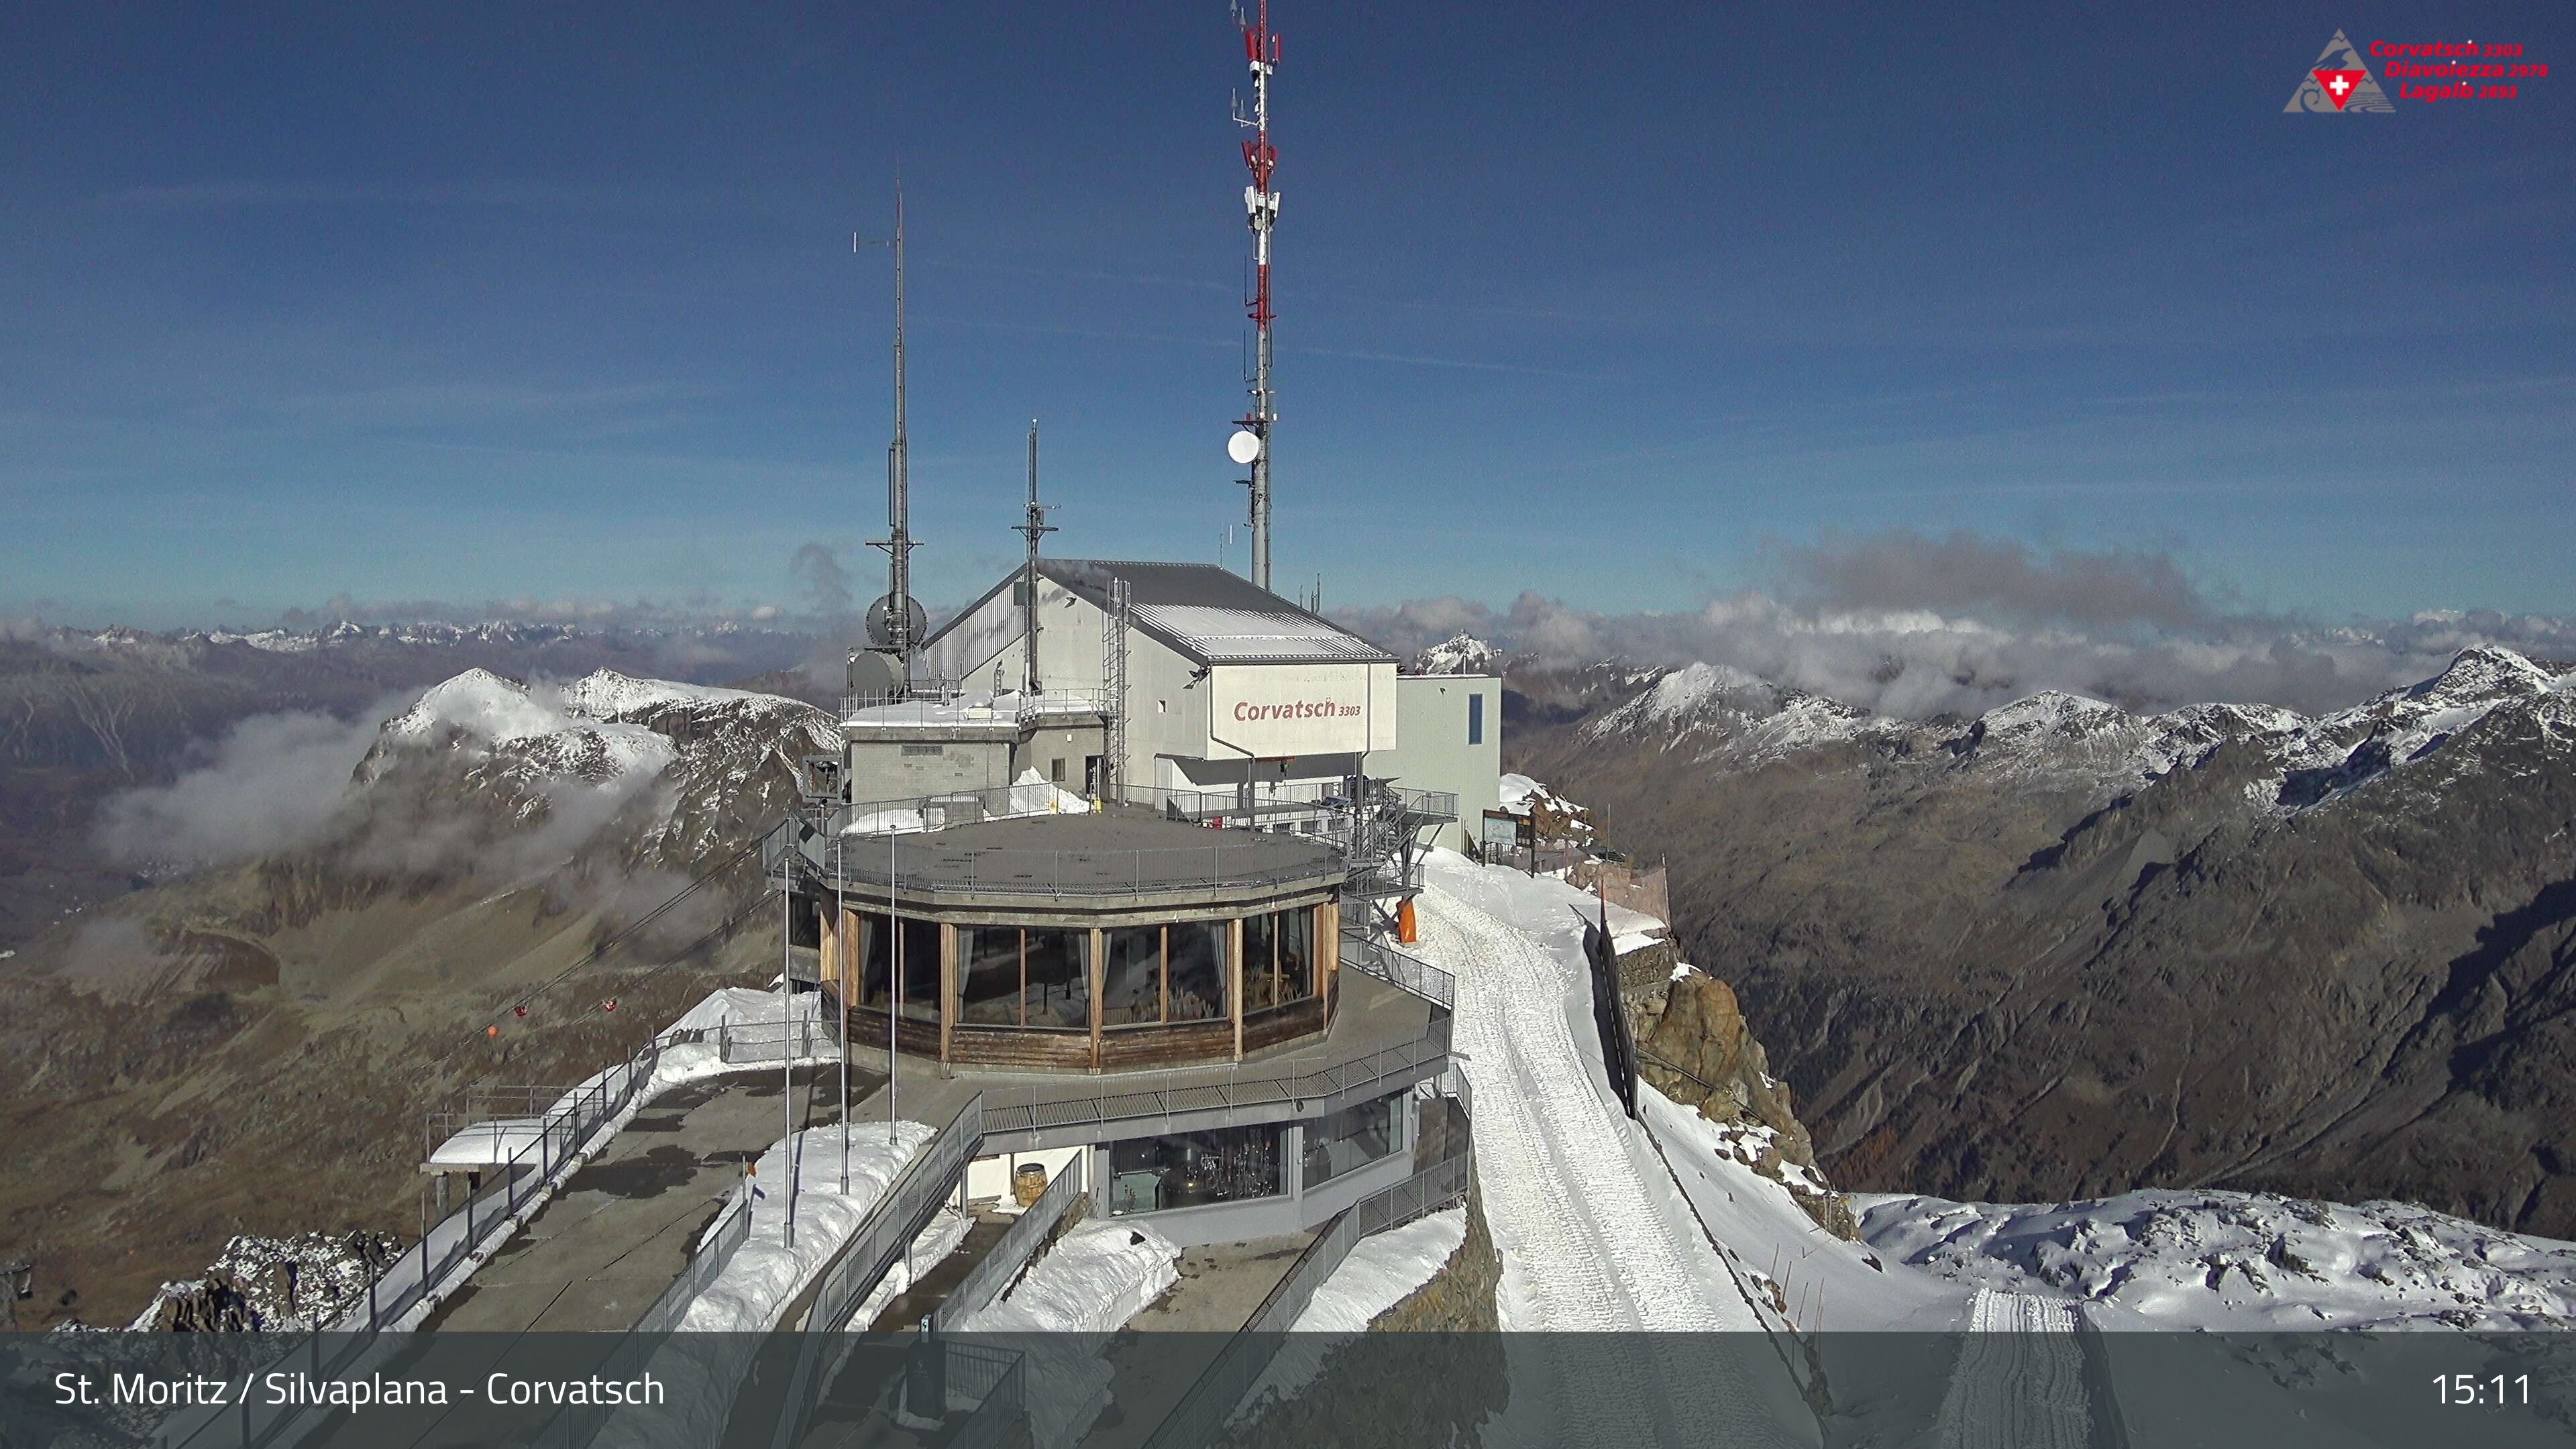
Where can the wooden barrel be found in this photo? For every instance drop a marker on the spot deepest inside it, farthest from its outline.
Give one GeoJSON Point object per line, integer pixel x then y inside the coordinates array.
{"type": "Point", "coordinates": [1029, 1184]}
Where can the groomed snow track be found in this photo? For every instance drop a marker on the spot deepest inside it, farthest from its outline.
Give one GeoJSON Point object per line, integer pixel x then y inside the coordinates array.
{"type": "Point", "coordinates": [2019, 1382]}
{"type": "Point", "coordinates": [1605, 1272]}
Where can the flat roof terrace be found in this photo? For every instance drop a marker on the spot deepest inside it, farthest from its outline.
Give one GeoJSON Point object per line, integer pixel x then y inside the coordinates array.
{"type": "Point", "coordinates": [1137, 857]}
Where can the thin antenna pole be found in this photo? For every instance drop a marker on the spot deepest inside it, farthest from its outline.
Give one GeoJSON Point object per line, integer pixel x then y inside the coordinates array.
{"type": "Point", "coordinates": [1035, 528]}
{"type": "Point", "coordinates": [898, 543]}
{"type": "Point", "coordinates": [894, 988]}
{"type": "Point", "coordinates": [1261, 203]}
{"type": "Point", "coordinates": [786, 996]}
{"type": "Point", "coordinates": [840, 943]}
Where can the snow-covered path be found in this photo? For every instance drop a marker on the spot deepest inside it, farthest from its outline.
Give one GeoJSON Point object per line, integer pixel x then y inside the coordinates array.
{"type": "Point", "coordinates": [1596, 1253]}
{"type": "Point", "coordinates": [2019, 1381]}
{"type": "Point", "coordinates": [1597, 1242]}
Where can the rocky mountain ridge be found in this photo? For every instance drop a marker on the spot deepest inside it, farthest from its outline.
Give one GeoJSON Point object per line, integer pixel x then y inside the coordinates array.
{"type": "Point", "coordinates": [245, 1051]}
{"type": "Point", "coordinates": [2063, 949]}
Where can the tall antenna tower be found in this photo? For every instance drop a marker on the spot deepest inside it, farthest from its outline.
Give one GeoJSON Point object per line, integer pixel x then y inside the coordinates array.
{"type": "Point", "coordinates": [1036, 528]}
{"type": "Point", "coordinates": [1252, 444]}
{"type": "Point", "coordinates": [896, 622]}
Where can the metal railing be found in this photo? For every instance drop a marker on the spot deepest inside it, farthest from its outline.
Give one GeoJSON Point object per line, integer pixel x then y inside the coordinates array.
{"type": "Point", "coordinates": [1004, 1379]}
{"type": "Point", "coordinates": [888, 1229]}
{"type": "Point", "coordinates": [772, 1041]}
{"type": "Point", "coordinates": [1200, 1416]}
{"type": "Point", "coordinates": [944, 702]}
{"type": "Point", "coordinates": [1401, 971]}
{"type": "Point", "coordinates": [986, 1280]}
{"type": "Point", "coordinates": [918, 1190]}
{"type": "Point", "coordinates": [1312, 801]}
{"type": "Point", "coordinates": [1403, 1059]}
{"type": "Point", "coordinates": [706, 1264]}
{"type": "Point", "coordinates": [1248, 864]}
{"type": "Point", "coordinates": [564, 1131]}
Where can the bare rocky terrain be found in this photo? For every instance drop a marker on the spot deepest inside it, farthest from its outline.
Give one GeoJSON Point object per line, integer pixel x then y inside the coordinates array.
{"type": "Point", "coordinates": [2063, 950]}
{"type": "Point", "coordinates": [248, 1045]}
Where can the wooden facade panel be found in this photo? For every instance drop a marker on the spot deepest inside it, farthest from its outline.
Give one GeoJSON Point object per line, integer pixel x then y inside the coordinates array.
{"type": "Point", "coordinates": [912, 1036]}
{"type": "Point", "coordinates": [987, 1046]}
{"type": "Point", "coordinates": [1136, 1048]}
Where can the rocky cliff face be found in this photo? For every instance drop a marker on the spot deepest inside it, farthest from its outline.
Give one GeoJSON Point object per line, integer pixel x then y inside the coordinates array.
{"type": "Point", "coordinates": [2063, 950]}
{"type": "Point", "coordinates": [1695, 1048]}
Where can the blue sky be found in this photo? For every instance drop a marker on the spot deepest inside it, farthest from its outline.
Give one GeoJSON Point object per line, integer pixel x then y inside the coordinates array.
{"type": "Point", "coordinates": [464, 303]}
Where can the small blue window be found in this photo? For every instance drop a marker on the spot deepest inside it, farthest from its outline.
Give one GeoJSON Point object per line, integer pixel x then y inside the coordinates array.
{"type": "Point", "coordinates": [1475, 719]}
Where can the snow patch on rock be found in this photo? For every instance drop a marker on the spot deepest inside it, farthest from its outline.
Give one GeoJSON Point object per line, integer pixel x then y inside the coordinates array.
{"type": "Point", "coordinates": [2238, 1261]}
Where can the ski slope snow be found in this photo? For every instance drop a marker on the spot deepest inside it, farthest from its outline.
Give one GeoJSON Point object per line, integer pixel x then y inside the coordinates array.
{"type": "Point", "coordinates": [1601, 1255]}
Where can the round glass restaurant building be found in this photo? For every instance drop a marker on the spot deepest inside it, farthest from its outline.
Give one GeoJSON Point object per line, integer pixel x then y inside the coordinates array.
{"type": "Point", "coordinates": [1121, 940]}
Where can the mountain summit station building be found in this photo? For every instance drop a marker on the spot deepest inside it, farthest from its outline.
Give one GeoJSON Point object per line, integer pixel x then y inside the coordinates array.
{"type": "Point", "coordinates": [1142, 909]}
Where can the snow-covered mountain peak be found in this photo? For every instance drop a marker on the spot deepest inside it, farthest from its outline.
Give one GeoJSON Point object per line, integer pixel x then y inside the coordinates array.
{"type": "Point", "coordinates": [2483, 674]}
{"type": "Point", "coordinates": [718, 759]}
{"type": "Point", "coordinates": [605, 694]}
{"type": "Point", "coordinates": [1731, 715]}
{"type": "Point", "coordinates": [1459, 654]}
{"type": "Point", "coordinates": [482, 704]}
{"type": "Point", "coordinates": [2052, 712]}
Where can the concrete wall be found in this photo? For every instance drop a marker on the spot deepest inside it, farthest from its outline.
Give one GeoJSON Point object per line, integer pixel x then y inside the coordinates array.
{"type": "Point", "coordinates": [991, 632]}
{"type": "Point", "coordinates": [1049, 747]}
{"type": "Point", "coordinates": [1431, 748]}
{"type": "Point", "coordinates": [881, 767]}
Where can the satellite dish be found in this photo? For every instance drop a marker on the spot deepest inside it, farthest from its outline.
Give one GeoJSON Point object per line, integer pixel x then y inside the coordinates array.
{"type": "Point", "coordinates": [878, 637]}
{"type": "Point", "coordinates": [1244, 446]}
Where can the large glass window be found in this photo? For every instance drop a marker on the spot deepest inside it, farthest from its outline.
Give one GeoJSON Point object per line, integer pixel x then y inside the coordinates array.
{"type": "Point", "coordinates": [918, 949]}
{"type": "Point", "coordinates": [1059, 990]}
{"type": "Point", "coordinates": [1131, 983]}
{"type": "Point", "coordinates": [1260, 963]}
{"type": "Point", "coordinates": [1156, 1174]}
{"type": "Point", "coordinates": [1296, 954]}
{"type": "Point", "coordinates": [876, 962]}
{"type": "Point", "coordinates": [1278, 958]}
{"type": "Point", "coordinates": [1198, 971]}
{"type": "Point", "coordinates": [988, 975]}
{"type": "Point", "coordinates": [1353, 1137]}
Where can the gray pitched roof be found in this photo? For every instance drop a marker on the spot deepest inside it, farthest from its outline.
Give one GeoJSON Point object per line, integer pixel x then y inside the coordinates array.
{"type": "Point", "coordinates": [1214, 616]}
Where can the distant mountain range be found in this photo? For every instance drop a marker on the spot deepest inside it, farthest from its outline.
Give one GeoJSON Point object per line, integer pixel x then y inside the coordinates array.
{"type": "Point", "coordinates": [87, 713]}
{"type": "Point", "coordinates": [2062, 949]}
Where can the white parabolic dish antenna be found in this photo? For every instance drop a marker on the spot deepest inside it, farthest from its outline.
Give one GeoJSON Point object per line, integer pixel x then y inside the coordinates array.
{"type": "Point", "coordinates": [1244, 446]}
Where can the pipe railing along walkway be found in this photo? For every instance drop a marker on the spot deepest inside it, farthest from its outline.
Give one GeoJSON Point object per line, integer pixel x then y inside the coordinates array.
{"type": "Point", "coordinates": [996, 1270]}
{"type": "Point", "coordinates": [1200, 1416]}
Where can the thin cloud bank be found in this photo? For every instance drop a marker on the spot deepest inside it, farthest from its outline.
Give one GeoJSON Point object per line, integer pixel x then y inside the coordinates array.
{"type": "Point", "coordinates": [279, 784]}
{"type": "Point", "coordinates": [1914, 625]}
{"type": "Point", "coordinates": [272, 783]}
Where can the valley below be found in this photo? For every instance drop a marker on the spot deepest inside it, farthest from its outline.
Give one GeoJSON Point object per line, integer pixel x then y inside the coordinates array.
{"type": "Point", "coordinates": [2061, 950]}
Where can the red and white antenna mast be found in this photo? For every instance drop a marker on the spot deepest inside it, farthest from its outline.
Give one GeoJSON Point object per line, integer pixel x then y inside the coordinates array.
{"type": "Point", "coordinates": [1261, 203]}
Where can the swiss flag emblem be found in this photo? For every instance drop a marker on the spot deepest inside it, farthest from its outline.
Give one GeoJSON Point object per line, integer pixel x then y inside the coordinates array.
{"type": "Point", "coordinates": [2339, 84]}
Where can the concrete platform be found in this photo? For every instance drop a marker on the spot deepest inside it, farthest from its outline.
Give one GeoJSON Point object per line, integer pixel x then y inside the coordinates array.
{"type": "Point", "coordinates": [618, 1232]}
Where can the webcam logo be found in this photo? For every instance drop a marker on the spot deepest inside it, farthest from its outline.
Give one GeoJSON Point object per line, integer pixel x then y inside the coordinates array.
{"type": "Point", "coordinates": [2338, 84]}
